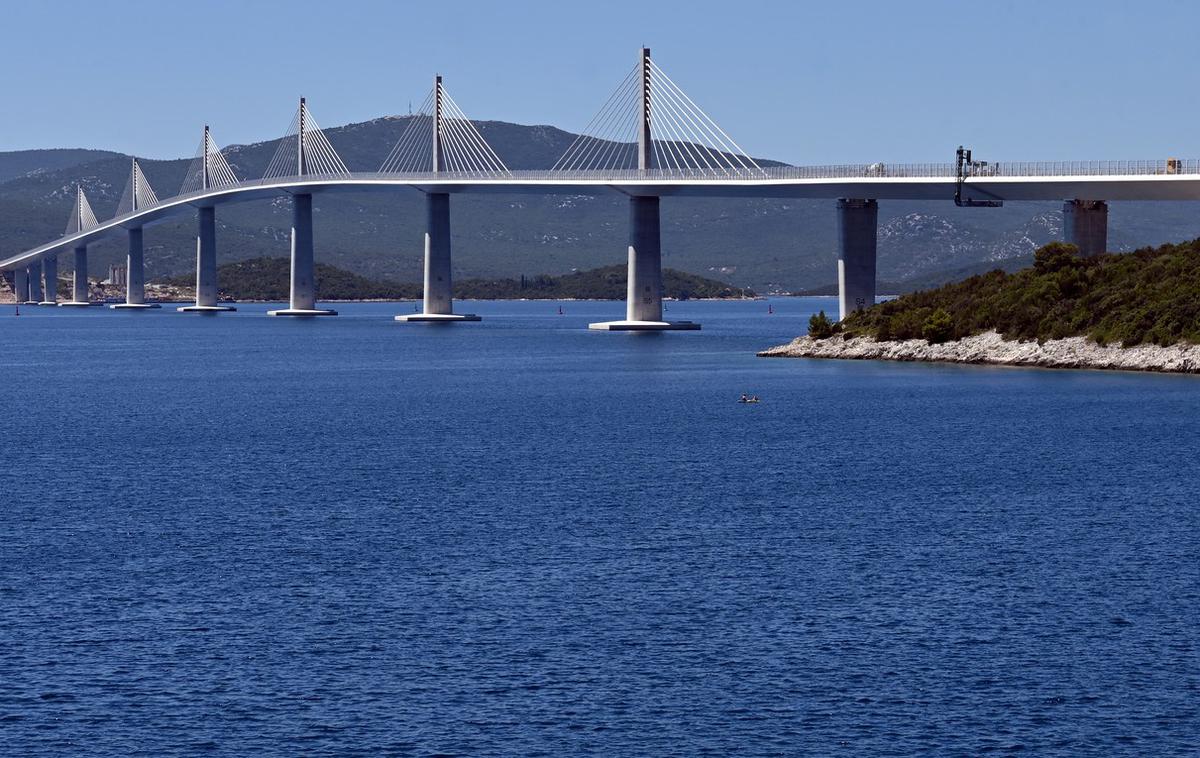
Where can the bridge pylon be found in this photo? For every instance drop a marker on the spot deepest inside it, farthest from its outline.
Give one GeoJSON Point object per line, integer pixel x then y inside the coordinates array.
{"type": "Point", "coordinates": [857, 237]}
{"type": "Point", "coordinates": [643, 294]}
{"type": "Point", "coordinates": [437, 301]}
{"type": "Point", "coordinates": [206, 264]}
{"type": "Point", "coordinates": [138, 196]}
{"type": "Point", "coordinates": [1085, 225]}
{"type": "Point", "coordinates": [313, 155]}
{"type": "Point", "coordinates": [209, 171]}
{"type": "Point", "coordinates": [304, 151]}
{"type": "Point", "coordinates": [82, 219]}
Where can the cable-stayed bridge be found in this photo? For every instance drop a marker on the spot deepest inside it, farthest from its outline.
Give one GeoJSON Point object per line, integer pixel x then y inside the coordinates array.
{"type": "Point", "coordinates": [648, 140]}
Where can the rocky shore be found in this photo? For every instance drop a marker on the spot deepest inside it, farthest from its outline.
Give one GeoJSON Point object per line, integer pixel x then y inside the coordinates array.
{"type": "Point", "coordinates": [991, 348]}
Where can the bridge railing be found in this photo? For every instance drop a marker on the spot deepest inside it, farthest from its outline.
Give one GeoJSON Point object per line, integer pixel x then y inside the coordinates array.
{"type": "Point", "coordinates": [1011, 169]}
{"type": "Point", "coordinates": [1159, 167]}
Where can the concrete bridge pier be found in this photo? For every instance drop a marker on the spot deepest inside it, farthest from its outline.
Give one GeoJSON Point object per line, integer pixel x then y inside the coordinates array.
{"type": "Point", "coordinates": [49, 280]}
{"type": "Point", "coordinates": [438, 302]}
{"type": "Point", "coordinates": [1085, 225]}
{"type": "Point", "coordinates": [206, 265]}
{"type": "Point", "coordinates": [303, 300]}
{"type": "Point", "coordinates": [643, 294]}
{"type": "Point", "coordinates": [80, 297]}
{"type": "Point", "coordinates": [20, 285]}
{"type": "Point", "coordinates": [34, 276]}
{"type": "Point", "coordinates": [857, 226]}
{"type": "Point", "coordinates": [135, 276]}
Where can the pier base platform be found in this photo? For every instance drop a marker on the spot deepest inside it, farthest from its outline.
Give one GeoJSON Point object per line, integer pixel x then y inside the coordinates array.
{"type": "Point", "coordinates": [133, 306]}
{"type": "Point", "coordinates": [438, 318]}
{"type": "Point", "coordinates": [205, 308]}
{"type": "Point", "coordinates": [645, 326]}
{"type": "Point", "coordinates": [302, 312]}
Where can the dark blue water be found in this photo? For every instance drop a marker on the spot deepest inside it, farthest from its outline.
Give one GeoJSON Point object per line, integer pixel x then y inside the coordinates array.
{"type": "Point", "coordinates": [252, 536]}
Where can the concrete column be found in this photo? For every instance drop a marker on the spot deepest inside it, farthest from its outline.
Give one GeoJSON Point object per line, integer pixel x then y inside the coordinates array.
{"type": "Point", "coordinates": [34, 273]}
{"type": "Point", "coordinates": [303, 301]}
{"type": "Point", "coordinates": [643, 294]}
{"type": "Point", "coordinates": [79, 282]}
{"type": "Point", "coordinates": [304, 290]}
{"type": "Point", "coordinates": [438, 302]}
{"type": "Point", "coordinates": [206, 264]}
{"type": "Point", "coordinates": [20, 285]}
{"type": "Point", "coordinates": [858, 222]}
{"type": "Point", "coordinates": [49, 280]}
{"type": "Point", "coordinates": [439, 286]}
{"type": "Point", "coordinates": [135, 276]}
{"type": "Point", "coordinates": [1085, 225]}
{"type": "Point", "coordinates": [206, 258]}
{"type": "Point", "coordinates": [79, 278]}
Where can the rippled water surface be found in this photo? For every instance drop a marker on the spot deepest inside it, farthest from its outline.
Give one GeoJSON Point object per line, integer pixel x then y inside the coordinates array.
{"type": "Point", "coordinates": [253, 536]}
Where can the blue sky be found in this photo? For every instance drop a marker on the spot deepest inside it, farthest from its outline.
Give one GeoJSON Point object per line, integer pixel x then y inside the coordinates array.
{"type": "Point", "coordinates": [796, 81]}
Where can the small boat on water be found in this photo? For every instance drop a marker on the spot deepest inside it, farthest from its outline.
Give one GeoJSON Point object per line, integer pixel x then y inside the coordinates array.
{"type": "Point", "coordinates": [749, 399]}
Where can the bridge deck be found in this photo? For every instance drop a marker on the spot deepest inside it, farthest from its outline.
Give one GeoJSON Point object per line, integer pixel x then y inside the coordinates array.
{"type": "Point", "coordinates": [1132, 180]}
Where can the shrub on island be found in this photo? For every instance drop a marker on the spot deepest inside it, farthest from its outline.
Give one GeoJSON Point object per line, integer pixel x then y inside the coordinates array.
{"type": "Point", "coordinates": [1150, 295]}
{"type": "Point", "coordinates": [820, 327]}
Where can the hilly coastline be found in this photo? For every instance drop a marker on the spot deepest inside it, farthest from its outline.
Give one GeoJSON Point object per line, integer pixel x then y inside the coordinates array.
{"type": "Point", "coordinates": [1136, 311]}
{"type": "Point", "coordinates": [268, 279]}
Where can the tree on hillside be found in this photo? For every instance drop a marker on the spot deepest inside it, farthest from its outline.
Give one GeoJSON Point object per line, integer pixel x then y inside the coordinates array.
{"type": "Point", "coordinates": [820, 327]}
{"type": "Point", "coordinates": [939, 327]}
{"type": "Point", "coordinates": [1054, 257]}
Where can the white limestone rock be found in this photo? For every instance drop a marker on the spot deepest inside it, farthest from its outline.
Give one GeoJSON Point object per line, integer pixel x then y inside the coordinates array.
{"type": "Point", "coordinates": [991, 348]}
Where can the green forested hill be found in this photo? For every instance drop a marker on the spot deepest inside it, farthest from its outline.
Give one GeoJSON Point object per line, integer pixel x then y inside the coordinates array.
{"type": "Point", "coordinates": [267, 279]}
{"type": "Point", "coordinates": [21, 163]}
{"type": "Point", "coordinates": [1149, 295]}
{"type": "Point", "coordinates": [607, 283]}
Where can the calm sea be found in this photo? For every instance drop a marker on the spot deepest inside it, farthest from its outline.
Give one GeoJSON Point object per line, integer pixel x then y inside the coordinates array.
{"type": "Point", "coordinates": [242, 535]}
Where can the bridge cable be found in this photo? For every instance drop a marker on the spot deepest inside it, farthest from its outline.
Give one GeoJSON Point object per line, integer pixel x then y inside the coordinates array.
{"type": "Point", "coordinates": [617, 151]}
{"type": "Point", "coordinates": [485, 154]}
{"type": "Point", "coordinates": [592, 147]}
{"type": "Point", "coordinates": [219, 173]}
{"type": "Point", "coordinates": [404, 156]}
{"type": "Point", "coordinates": [723, 141]}
{"type": "Point", "coordinates": [138, 194]}
{"type": "Point", "coordinates": [464, 148]}
{"type": "Point", "coordinates": [612, 144]}
{"type": "Point", "coordinates": [689, 130]}
{"type": "Point", "coordinates": [82, 217]}
{"type": "Point", "coordinates": [320, 157]}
